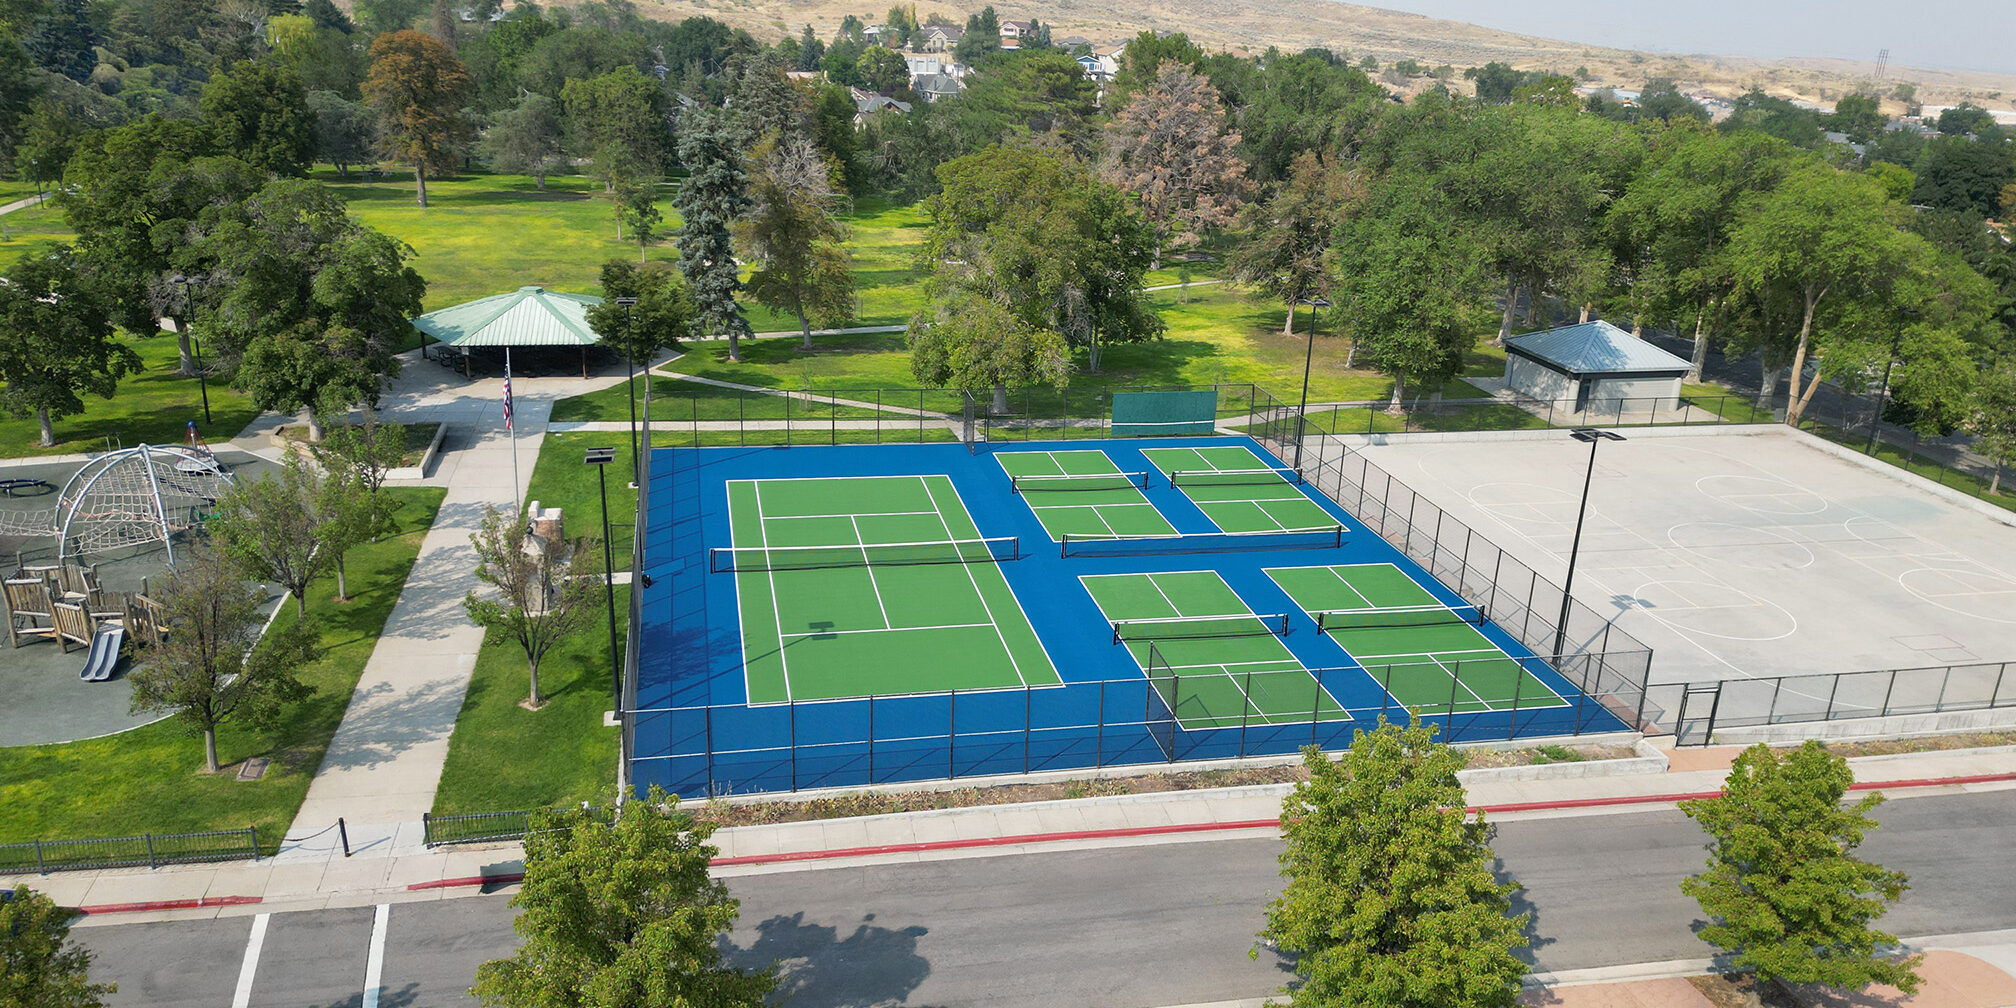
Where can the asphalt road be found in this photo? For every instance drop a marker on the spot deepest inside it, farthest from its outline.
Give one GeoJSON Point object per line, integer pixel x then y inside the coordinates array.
{"type": "Point", "coordinates": [1129, 927]}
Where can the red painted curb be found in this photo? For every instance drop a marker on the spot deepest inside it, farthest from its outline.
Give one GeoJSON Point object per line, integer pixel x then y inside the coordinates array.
{"type": "Point", "coordinates": [507, 878]}
{"type": "Point", "coordinates": [1139, 831]}
{"type": "Point", "coordinates": [198, 903]}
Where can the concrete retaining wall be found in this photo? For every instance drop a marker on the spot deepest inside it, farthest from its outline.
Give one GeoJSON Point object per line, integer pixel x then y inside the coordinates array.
{"type": "Point", "coordinates": [1895, 726]}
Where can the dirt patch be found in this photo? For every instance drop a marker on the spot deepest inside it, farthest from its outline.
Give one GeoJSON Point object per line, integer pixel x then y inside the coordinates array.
{"type": "Point", "coordinates": [868, 803]}
{"type": "Point", "coordinates": [1930, 743]}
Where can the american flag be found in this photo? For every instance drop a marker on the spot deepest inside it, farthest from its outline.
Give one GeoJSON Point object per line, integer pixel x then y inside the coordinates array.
{"type": "Point", "coordinates": [507, 393]}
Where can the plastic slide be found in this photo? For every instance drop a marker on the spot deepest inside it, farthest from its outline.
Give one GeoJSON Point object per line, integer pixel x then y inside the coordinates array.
{"type": "Point", "coordinates": [104, 656]}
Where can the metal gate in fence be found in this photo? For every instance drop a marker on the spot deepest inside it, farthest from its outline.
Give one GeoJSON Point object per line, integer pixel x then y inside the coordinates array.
{"type": "Point", "coordinates": [1694, 722]}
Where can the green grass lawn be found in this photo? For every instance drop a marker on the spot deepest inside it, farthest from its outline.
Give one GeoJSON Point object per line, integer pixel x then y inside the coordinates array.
{"type": "Point", "coordinates": [31, 230]}
{"type": "Point", "coordinates": [150, 407]}
{"type": "Point", "coordinates": [503, 757]}
{"type": "Point", "coordinates": [486, 234]}
{"type": "Point", "coordinates": [151, 779]}
{"type": "Point", "coordinates": [560, 479]}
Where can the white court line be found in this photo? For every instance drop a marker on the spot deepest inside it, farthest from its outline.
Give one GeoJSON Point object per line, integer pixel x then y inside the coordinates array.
{"type": "Point", "coordinates": [776, 610]}
{"type": "Point", "coordinates": [869, 514]}
{"type": "Point", "coordinates": [974, 579]}
{"type": "Point", "coordinates": [242, 998]}
{"type": "Point", "coordinates": [1417, 654]}
{"type": "Point", "coordinates": [885, 629]}
{"type": "Point", "coordinates": [375, 964]}
{"type": "Point", "coordinates": [873, 585]}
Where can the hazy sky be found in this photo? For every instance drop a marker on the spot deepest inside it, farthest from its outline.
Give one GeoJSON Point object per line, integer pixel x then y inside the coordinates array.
{"type": "Point", "coordinates": [1956, 34]}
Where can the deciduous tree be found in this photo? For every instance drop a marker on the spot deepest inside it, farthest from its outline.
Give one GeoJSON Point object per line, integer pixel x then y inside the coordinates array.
{"type": "Point", "coordinates": [1037, 234]}
{"type": "Point", "coordinates": [791, 234]}
{"type": "Point", "coordinates": [1409, 285]}
{"type": "Point", "coordinates": [39, 964]}
{"type": "Point", "coordinates": [267, 525]}
{"type": "Point", "coordinates": [528, 139]}
{"type": "Point", "coordinates": [59, 342]}
{"type": "Point", "coordinates": [259, 114]}
{"type": "Point", "coordinates": [620, 913]}
{"type": "Point", "coordinates": [1287, 251]}
{"type": "Point", "coordinates": [1993, 421]}
{"type": "Point", "coordinates": [971, 342]}
{"type": "Point", "coordinates": [1784, 893]}
{"type": "Point", "coordinates": [1391, 901]}
{"type": "Point", "coordinates": [1170, 147]}
{"type": "Point", "coordinates": [621, 123]}
{"type": "Point", "coordinates": [344, 130]}
{"type": "Point", "coordinates": [214, 668]}
{"type": "Point", "coordinates": [712, 196]}
{"type": "Point", "coordinates": [420, 89]}
{"type": "Point", "coordinates": [662, 316]}
{"type": "Point", "coordinates": [545, 588]}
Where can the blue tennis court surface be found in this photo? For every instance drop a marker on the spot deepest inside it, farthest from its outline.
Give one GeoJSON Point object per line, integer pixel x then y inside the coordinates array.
{"type": "Point", "coordinates": [867, 614]}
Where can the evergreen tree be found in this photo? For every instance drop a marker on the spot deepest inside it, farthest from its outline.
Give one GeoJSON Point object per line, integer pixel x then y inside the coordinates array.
{"type": "Point", "coordinates": [1391, 901]}
{"type": "Point", "coordinates": [710, 200]}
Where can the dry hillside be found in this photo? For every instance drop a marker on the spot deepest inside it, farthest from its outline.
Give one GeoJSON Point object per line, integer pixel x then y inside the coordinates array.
{"type": "Point", "coordinates": [1253, 25]}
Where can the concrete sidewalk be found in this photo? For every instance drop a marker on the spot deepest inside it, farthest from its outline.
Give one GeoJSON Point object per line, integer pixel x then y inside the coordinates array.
{"type": "Point", "coordinates": [381, 869]}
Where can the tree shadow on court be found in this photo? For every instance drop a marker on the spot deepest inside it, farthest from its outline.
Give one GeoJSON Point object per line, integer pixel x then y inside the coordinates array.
{"type": "Point", "coordinates": [388, 997]}
{"type": "Point", "coordinates": [817, 967]}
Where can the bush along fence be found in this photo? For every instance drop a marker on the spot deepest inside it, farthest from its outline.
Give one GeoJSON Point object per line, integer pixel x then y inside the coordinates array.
{"type": "Point", "coordinates": [151, 850]}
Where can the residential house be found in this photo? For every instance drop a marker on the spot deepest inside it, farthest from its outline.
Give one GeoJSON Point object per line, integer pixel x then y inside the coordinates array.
{"type": "Point", "coordinates": [932, 87]}
{"type": "Point", "coordinates": [937, 38]}
{"type": "Point", "coordinates": [867, 105]}
{"type": "Point", "coordinates": [1013, 30]}
{"type": "Point", "coordinates": [921, 64]}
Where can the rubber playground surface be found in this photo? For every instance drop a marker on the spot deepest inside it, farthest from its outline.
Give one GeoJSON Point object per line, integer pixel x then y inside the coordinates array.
{"type": "Point", "coordinates": [864, 614]}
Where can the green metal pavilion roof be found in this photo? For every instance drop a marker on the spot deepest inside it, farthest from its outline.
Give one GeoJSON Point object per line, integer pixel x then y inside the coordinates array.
{"type": "Point", "coordinates": [526, 317]}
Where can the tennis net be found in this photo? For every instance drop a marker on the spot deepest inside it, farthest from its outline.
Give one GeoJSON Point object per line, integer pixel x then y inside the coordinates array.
{"type": "Point", "coordinates": [775, 558]}
{"type": "Point", "coordinates": [1396, 616]}
{"type": "Point", "coordinates": [1234, 477]}
{"type": "Point", "coordinates": [1196, 627]}
{"type": "Point", "coordinates": [1047, 482]}
{"type": "Point", "coordinates": [1109, 544]}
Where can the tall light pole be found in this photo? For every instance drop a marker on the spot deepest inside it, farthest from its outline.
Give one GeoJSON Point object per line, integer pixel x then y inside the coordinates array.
{"type": "Point", "coordinates": [600, 459]}
{"type": "Point", "coordinates": [630, 383]}
{"type": "Point", "coordinates": [1593, 437]}
{"type": "Point", "coordinates": [196, 346]}
{"type": "Point", "coordinates": [1308, 356]}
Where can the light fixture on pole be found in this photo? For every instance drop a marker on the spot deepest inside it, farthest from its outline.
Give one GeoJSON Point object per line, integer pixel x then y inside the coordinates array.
{"type": "Point", "coordinates": [600, 459]}
{"type": "Point", "coordinates": [183, 327]}
{"type": "Point", "coordinates": [630, 383]}
{"type": "Point", "coordinates": [1308, 355]}
{"type": "Point", "coordinates": [1593, 437]}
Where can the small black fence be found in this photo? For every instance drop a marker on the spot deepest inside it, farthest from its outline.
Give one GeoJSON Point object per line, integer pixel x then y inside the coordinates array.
{"type": "Point", "coordinates": [476, 827]}
{"type": "Point", "coordinates": [151, 850]}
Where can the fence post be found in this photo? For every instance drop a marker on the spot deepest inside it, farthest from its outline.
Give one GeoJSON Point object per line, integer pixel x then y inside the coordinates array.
{"type": "Point", "coordinates": [1833, 690]}
{"type": "Point", "coordinates": [1944, 679]}
{"type": "Point", "coordinates": [1512, 723]}
{"type": "Point", "coordinates": [1028, 719]}
{"type": "Point", "coordinates": [38, 858]}
{"type": "Point", "coordinates": [427, 819]}
{"type": "Point", "coordinates": [150, 850]}
{"type": "Point", "coordinates": [1099, 732]}
{"type": "Point", "coordinates": [1995, 695]}
{"type": "Point", "coordinates": [1887, 691]}
{"type": "Point", "coordinates": [952, 734]}
{"type": "Point", "coordinates": [343, 834]}
{"type": "Point", "coordinates": [871, 738]}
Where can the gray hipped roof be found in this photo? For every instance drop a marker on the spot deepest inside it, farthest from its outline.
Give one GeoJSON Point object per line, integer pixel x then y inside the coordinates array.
{"type": "Point", "coordinates": [1595, 348]}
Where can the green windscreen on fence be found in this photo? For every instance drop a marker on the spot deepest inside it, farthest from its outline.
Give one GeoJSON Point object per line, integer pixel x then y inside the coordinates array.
{"type": "Point", "coordinates": [1150, 414]}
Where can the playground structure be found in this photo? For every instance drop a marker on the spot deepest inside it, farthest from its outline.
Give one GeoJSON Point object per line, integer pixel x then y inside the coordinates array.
{"type": "Point", "coordinates": [128, 499]}
{"type": "Point", "coordinates": [65, 602]}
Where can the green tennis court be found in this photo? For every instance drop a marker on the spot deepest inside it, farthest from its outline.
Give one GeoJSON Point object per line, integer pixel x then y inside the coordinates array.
{"type": "Point", "coordinates": [1082, 493]}
{"type": "Point", "coordinates": [1238, 491]}
{"type": "Point", "coordinates": [1425, 653]}
{"type": "Point", "coordinates": [1215, 662]}
{"type": "Point", "coordinates": [868, 585]}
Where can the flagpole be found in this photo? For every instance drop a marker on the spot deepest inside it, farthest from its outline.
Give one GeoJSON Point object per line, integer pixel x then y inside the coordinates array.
{"type": "Point", "coordinates": [511, 427]}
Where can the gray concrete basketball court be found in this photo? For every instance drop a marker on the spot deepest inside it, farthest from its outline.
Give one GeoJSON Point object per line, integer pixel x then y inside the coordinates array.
{"type": "Point", "coordinates": [1738, 555]}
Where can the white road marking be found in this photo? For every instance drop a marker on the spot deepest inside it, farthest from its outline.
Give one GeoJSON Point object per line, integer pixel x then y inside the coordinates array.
{"type": "Point", "coordinates": [374, 966]}
{"type": "Point", "coordinates": [243, 997]}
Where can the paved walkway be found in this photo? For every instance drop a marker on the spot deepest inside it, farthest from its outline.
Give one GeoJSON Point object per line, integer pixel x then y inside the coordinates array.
{"type": "Point", "coordinates": [384, 763]}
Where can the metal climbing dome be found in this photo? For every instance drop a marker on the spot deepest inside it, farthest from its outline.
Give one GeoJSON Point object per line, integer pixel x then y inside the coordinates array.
{"type": "Point", "coordinates": [133, 497]}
